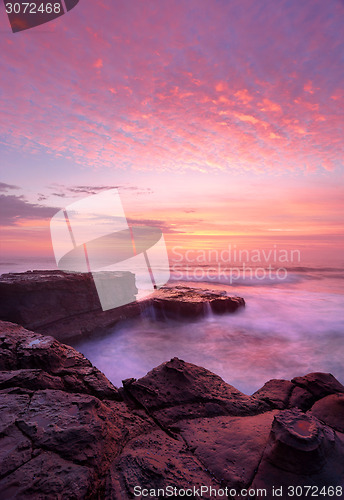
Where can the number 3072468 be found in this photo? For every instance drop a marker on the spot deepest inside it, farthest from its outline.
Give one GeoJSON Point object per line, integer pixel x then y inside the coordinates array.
{"type": "Point", "coordinates": [33, 8]}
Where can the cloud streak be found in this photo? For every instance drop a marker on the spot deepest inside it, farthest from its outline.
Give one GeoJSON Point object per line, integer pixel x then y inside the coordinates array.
{"type": "Point", "coordinates": [16, 209]}
{"type": "Point", "coordinates": [75, 191]}
{"type": "Point", "coordinates": [6, 187]}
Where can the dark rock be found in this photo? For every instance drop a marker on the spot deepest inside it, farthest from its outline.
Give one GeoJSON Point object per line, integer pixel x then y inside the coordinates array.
{"type": "Point", "coordinates": [330, 410]}
{"type": "Point", "coordinates": [12, 407]}
{"type": "Point", "coordinates": [301, 452]}
{"type": "Point", "coordinates": [15, 451]}
{"type": "Point", "coordinates": [186, 302]}
{"type": "Point", "coordinates": [48, 476]}
{"type": "Point", "coordinates": [30, 379]}
{"type": "Point", "coordinates": [301, 398]}
{"type": "Point", "coordinates": [153, 461]}
{"type": "Point", "coordinates": [78, 427]}
{"type": "Point", "coordinates": [66, 432]}
{"type": "Point", "coordinates": [230, 447]}
{"type": "Point", "coordinates": [221, 305]}
{"type": "Point", "coordinates": [319, 384]}
{"type": "Point", "coordinates": [276, 393]}
{"type": "Point", "coordinates": [62, 304]}
{"type": "Point", "coordinates": [48, 363]}
{"type": "Point", "coordinates": [299, 443]}
{"type": "Point", "coordinates": [176, 390]}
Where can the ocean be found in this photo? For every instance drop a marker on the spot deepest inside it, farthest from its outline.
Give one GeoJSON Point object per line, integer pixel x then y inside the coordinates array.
{"type": "Point", "coordinates": [289, 327]}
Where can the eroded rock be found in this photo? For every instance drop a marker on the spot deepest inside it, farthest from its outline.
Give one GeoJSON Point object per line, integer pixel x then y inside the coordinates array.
{"type": "Point", "coordinates": [66, 432]}
{"type": "Point", "coordinates": [299, 443]}
{"type": "Point", "coordinates": [187, 302]}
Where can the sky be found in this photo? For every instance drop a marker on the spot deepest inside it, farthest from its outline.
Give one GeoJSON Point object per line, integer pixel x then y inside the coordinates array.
{"type": "Point", "coordinates": [220, 121]}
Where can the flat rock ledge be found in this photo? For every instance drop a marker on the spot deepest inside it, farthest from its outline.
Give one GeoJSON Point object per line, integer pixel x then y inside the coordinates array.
{"type": "Point", "coordinates": [66, 305]}
{"type": "Point", "coordinates": [67, 433]}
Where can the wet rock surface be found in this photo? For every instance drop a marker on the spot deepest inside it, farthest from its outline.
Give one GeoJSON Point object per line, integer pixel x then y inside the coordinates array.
{"type": "Point", "coordinates": [66, 305]}
{"type": "Point", "coordinates": [66, 432]}
{"type": "Point", "coordinates": [182, 301]}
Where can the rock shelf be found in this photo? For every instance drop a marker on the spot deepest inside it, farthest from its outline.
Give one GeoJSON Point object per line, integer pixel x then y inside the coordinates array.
{"type": "Point", "coordinates": [66, 305]}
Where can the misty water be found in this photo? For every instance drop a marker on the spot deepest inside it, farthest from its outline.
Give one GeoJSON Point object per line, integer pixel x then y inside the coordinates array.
{"type": "Point", "coordinates": [286, 330]}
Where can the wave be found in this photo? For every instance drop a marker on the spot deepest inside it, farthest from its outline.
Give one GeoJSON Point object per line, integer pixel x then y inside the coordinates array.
{"type": "Point", "coordinates": [281, 333]}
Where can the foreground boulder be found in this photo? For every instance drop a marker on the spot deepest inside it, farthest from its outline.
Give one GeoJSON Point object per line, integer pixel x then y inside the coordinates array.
{"type": "Point", "coordinates": [66, 432]}
{"type": "Point", "coordinates": [66, 305]}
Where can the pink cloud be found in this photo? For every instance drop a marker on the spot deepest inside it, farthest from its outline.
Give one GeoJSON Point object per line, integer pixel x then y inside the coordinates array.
{"type": "Point", "coordinates": [224, 95]}
{"type": "Point", "coordinates": [98, 64]}
{"type": "Point", "coordinates": [268, 106]}
{"type": "Point", "coordinates": [243, 96]}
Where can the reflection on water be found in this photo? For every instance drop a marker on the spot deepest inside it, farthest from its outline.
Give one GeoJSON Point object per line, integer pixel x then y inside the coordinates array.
{"type": "Point", "coordinates": [282, 333]}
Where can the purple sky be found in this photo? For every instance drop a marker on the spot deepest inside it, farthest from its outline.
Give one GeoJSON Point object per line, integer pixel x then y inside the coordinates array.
{"type": "Point", "coordinates": [197, 109]}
